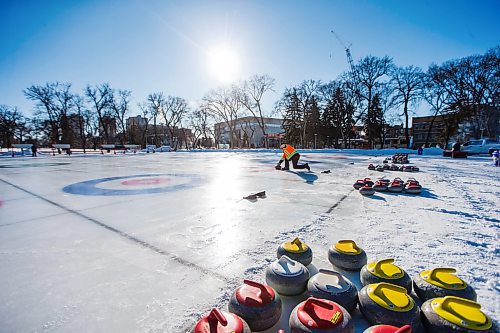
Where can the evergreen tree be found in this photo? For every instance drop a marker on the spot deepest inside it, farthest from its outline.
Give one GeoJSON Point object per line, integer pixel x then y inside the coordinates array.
{"type": "Point", "coordinates": [374, 122]}
{"type": "Point", "coordinates": [292, 117]}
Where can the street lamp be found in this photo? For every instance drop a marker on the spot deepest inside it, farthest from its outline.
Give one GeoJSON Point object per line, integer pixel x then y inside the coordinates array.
{"type": "Point", "coordinates": [315, 139]}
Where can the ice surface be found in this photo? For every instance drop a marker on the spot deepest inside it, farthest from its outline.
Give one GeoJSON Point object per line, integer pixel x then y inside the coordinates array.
{"type": "Point", "coordinates": [151, 242]}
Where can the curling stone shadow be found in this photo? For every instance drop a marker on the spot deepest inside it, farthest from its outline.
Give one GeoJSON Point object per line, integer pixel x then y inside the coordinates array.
{"type": "Point", "coordinates": [428, 194]}
{"type": "Point", "coordinates": [376, 197]}
{"type": "Point", "coordinates": [310, 178]}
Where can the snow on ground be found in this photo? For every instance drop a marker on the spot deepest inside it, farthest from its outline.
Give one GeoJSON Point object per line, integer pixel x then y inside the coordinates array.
{"type": "Point", "coordinates": [151, 242]}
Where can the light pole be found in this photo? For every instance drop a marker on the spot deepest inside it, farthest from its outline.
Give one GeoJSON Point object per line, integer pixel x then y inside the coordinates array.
{"type": "Point", "coordinates": [315, 140]}
{"type": "Point", "coordinates": [327, 141]}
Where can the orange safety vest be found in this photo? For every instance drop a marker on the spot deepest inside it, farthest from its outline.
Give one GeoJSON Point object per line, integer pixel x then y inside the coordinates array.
{"type": "Point", "coordinates": [288, 152]}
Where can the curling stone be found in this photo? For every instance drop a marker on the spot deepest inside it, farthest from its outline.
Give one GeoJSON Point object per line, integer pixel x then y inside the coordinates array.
{"type": "Point", "coordinates": [385, 303]}
{"type": "Point", "coordinates": [380, 186]}
{"type": "Point", "coordinates": [396, 186]}
{"type": "Point", "coordinates": [320, 316]}
{"type": "Point", "coordinates": [287, 276]}
{"type": "Point", "coordinates": [413, 187]}
{"type": "Point", "coordinates": [454, 314]}
{"type": "Point", "coordinates": [385, 271]}
{"type": "Point", "coordinates": [371, 167]}
{"type": "Point", "coordinates": [257, 304]}
{"type": "Point", "coordinates": [221, 322]}
{"type": "Point", "coordinates": [367, 190]}
{"type": "Point", "coordinates": [440, 282]}
{"type": "Point", "coordinates": [296, 250]}
{"type": "Point", "coordinates": [359, 184]}
{"type": "Point", "coordinates": [334, 287]}
{"type": "Point", "coordinates": [345, 254]}
{"type": "Point", "coordinates": [368, 182]}
{"type": "Point", "coordinates": [388, 329]}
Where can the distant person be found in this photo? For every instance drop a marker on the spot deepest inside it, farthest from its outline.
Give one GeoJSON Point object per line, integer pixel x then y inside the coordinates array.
{"type": "Point", "coordinates": [420, 150]}
{"type": "Point", "coordinates": [33, 150]}
{"type": "Point", "coordinates": [456, 146]}
{"type": "Point", "coordinates": [290, 154]}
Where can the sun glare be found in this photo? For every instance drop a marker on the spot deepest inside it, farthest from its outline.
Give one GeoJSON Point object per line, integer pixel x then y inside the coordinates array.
{"type": "Point", "coordinates": [223, 64]}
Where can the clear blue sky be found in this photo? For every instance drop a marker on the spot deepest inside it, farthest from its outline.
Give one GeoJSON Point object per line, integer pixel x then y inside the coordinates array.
{"type": "Point", "coordinates": [149, 46]}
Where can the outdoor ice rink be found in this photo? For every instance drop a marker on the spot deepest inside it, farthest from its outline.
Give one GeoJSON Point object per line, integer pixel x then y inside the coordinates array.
{"type": "Point", "coordinates": [151, 242]}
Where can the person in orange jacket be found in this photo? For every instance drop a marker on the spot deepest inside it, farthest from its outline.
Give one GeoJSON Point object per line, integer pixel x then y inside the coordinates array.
{"type": "Point", "coordinates": [290, 154]}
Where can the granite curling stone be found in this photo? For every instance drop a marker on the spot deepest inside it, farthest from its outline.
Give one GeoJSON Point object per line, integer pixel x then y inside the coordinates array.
{"type": "Point", "coordinates": [385, 271]}
{"type": "Point", "coordinates": [366, 190]}
{"type": "Point", "coordinates": [320, 316]}
{"type": "Point", "coordinates": [287, 276]}
{"type": "Point", "coordinates": [296, 250]}
{"type": "Point", "coordinates": [257, 304]}
{"type": "Point", "coordinates": [388, 329]}
{"type": "Point", "coordinates": [221, 322]}
{"type": "Point", "coordinates": [396, 186]}
{"type": "Point", "coordinates": [333, 286]}
{"type": "Point", "coordinates": [454, 314]}
{"type": "Point", "coordinates": [440, 282]}
{"type": "Point", "coordinates": [347, 255]}
{"type": "Point", "coordinates": [385, 303]}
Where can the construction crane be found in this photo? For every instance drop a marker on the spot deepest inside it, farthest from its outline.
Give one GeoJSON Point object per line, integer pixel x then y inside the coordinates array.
{"type": "Point", "coordinates": [347, 52]}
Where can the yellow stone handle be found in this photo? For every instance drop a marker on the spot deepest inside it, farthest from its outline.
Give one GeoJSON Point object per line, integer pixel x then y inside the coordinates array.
{"type": "Point", "coordinates": [378, 264]}
{"type": "Point", "coordinates": [297, 242]}
{"type": "Point", "coordinates": [348, 241]}
{"type": "Point", "coordinates": [433, 274]}
{"type": "Point", "coordinates": [386, 285]}
{"type": "Point", "coordinates": [454, 299]}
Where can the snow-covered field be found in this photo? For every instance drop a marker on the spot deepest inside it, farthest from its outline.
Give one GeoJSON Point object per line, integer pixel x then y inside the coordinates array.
{"type": "Point", "coordinates": [151, 242]}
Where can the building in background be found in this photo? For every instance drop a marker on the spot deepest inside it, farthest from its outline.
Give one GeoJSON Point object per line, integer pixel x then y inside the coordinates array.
{"type": "Point", "coordinates": [246, 133]}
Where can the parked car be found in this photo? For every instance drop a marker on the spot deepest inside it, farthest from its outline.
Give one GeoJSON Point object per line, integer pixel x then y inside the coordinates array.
{"type": "Point", "coordinates": [163, 148]}
{"type": "Point", "coordinates": [149, 149]}
{"type": "Point", "coordinates": [480, 146]}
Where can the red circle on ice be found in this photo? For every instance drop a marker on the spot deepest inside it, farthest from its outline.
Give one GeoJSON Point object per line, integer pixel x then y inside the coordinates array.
{"type": "Point", "coordinates": [144, 181]}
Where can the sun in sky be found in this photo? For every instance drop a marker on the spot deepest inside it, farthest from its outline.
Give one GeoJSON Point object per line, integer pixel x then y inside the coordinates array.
{"type": "Point", "coordinates": [223, 63]}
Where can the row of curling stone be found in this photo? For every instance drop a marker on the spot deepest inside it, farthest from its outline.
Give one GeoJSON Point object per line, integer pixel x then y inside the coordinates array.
{"type": "Point", "coordinates": [381, 303]}
{"type": "Point", "coordinates": [394, 293]}
{"type": "Point", "coordinates": [393, 167]}
{"type": "Point", "coordinates": [367, 187]}
{"type": "Point", "coordinates": [321, 314]}
{"type": "Point", "coordinates": [449, 302]}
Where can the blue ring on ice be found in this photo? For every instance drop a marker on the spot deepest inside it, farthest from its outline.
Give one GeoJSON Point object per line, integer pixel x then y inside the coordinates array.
{"type": "Point", "coordinates": [89, 187]}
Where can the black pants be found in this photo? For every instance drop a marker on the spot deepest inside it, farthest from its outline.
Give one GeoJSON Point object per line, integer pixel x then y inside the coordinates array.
{"type": "Point", "coordinates": [295, 162]}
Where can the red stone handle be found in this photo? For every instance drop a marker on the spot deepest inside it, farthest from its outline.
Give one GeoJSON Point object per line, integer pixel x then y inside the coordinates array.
{"type": "Point", "coordinates": [215, 317]}
{"type": "Point", "coordinates": [264, 294]}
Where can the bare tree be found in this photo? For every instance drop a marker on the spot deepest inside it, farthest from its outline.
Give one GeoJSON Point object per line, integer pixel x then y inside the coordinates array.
{"type": "Point", "coordinates": [99, 98]}
{"type": "Point", "coordinates": [83, 121]}
{"type": "Point", "coordinates": [156, 102]}
{"type": "Point", "coordinates": [435, 95]}
{"type": "Point", "coordinates": [54, 101]}
{"type": "Point", "coordinates": [225, 104]}
{"type": "Point", "coordinates": [252, 93]}
{"type": "Point", "coordinates": [145, 109]}
{"type": "Point", "coordinates": [200, 122]}
{"type": "Point", "coordinates": [11, 121]}
{"type": "Point", "coordinates": [408, 88]}
{"type": "Point", "coordinates": [369, 73]}
{"type": "Point", "coordinates": [173, 110]}
{"type": "Point", "coordinates": [119, 105]}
